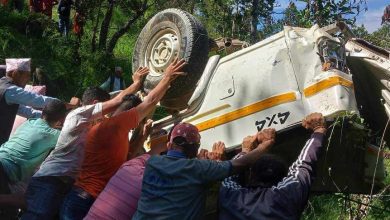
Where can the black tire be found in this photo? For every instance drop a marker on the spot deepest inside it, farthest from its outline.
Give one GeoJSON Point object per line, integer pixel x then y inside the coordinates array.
{"type": "Point", "coordinates": [193, 40]}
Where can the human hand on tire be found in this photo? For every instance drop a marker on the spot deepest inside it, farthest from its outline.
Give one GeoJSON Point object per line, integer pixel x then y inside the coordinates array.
{"type": "Point", "coordinates": [140, 74]}
{"type": "Point", "coordinates": [315, 122]}
{"type": "Point", "coordinates": [175, 69]}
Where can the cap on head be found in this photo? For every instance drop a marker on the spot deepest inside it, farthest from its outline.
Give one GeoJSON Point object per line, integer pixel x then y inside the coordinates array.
{"type": "Point", "coordinates": [118, 69]}
{"type": "Point", "coordinates": [187, 131]}
{"type": "Point", "coordinates": [23, 65]}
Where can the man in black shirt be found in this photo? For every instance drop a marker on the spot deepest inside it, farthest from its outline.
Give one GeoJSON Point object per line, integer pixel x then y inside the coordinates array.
{"type": "Point", "coordinates": [64, 14]}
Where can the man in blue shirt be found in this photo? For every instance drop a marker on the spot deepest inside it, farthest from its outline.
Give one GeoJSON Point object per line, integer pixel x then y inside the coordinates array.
{"type": "Point", "coordinates": [175, 186]}
{"type": "Point", "coordinates": [14, 99]}
{"type": "Point", "coordinates": [269, 193]}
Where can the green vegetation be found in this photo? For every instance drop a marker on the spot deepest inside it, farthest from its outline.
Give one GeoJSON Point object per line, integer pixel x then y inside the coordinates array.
{"type": "Point", "coordinates": [72, 64]}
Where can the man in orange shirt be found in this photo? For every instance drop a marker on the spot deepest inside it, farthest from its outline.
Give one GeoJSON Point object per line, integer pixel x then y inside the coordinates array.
{"type": "Point", "coordinates": [107, 146]}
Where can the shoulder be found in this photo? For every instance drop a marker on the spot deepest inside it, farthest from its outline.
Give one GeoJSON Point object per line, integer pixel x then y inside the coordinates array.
{"type": "Point", "coordinates": [157, 158]}
{"type": "Point", "coordinates": [51, 132]}
{"type": "Point", "coordinates": [15, 89]}
{"type": "Point", "coordinates": [132, 113]}
{"type": "Point", "coordinates": [85, 110]}
{"type": "Point", "coordinates": [140, 161]}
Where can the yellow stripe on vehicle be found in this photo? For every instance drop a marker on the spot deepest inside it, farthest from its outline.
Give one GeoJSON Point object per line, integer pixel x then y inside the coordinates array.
{"type": "Point", "coordinates": [247, 110]}
{"type": "Point", "coordinates": [209, 112]}
{"type": "Point", "coordinates": [325, 84]}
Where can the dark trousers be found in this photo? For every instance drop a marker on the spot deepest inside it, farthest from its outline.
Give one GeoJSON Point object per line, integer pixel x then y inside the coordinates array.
{"type": "Point", "coordinates": [44, 197]}
{"type": "Point", "coordinates": [5, 211]}
{"type": "Point", "coordinates": [4, 188]}
{"type": "Point", "coordinates": [76, 204]}
{"type": "Point", "coordinates": [64, 25]}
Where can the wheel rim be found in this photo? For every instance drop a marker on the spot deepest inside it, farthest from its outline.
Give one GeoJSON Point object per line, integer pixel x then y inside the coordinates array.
{"type": "Point", "coordinates": [161, 50]}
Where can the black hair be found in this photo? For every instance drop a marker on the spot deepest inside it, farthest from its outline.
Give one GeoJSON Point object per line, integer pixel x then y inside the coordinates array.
{"type": "Point", "coordinates": [128, 102]}
{"type": "Point", "coordinates": [94, 93]}
{"type": "Point", "coordinates": [54, 111]}
{"type": "Point", "coordinates": [267, 171]}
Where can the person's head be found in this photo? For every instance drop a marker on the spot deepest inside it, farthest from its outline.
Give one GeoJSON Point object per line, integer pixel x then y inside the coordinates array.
{"type": "Point", "coordinates": [38, 76]}
{"type": "Point", "coordinates": [54, 113]}
{"type": "Point", "coordinates": [128, 102]}
{"type": "Point", "coordinates": [118, 71]}
{"type": "Point", "coordinates": [184, 137]}
{"type": "Point", "coordinates": [267, 171]}
{"type": "Point", "coordinates": [19, 71]}
{"type": "Point", "coordinates": [93, 95]}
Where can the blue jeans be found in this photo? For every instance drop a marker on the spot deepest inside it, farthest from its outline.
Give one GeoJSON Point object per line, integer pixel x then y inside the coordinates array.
{"type": "Point", "coordinates": [44, 196]}
{"type": "Point", "coordinates": [76, 204]}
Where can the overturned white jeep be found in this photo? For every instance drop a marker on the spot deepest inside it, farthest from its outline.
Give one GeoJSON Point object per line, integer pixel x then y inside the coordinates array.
{"type": "Point", "coordinates": [276, 83]}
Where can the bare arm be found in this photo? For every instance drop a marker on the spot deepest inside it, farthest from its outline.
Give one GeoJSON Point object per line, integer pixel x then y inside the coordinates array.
{"type": "Point", "coordinates": [113, 103]}
{"type": "Point", "coordinates": [171, 73]}
{"type": "Point", "coordinates": [136, 144]}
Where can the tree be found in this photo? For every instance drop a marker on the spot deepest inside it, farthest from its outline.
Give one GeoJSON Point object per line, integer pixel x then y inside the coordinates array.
{"type": "Point", "coordinates": [324, 12]}
{"type": "Point", "coordinates": [243, 19]}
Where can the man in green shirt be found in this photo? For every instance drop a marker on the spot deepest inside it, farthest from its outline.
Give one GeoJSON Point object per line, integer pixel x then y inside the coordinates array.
{"type": "Point", "coordinates": [29, 145]}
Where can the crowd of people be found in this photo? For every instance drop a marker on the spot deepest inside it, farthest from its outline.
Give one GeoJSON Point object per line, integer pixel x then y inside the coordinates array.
{"type": "Point", "coordinates": [75, 160]}
{"type": "Point", "coordinates": [45, 7]}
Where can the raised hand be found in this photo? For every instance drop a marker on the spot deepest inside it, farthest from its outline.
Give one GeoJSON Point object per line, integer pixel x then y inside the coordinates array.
{"type": "Point", "coordinates": [175, 69]}
{"type": "Point", "coordinates": [315, 122]}
{"type": "Point", "coordinates": [140, 74]}
{"type": "Point", "coordinates": [202, 155]}
{"type": "Point", "coordinates": [74, 103]}
{"type": "Point", "coordinates": [217, 152]}
{"type": "Point", "coordinates": [147, 129]}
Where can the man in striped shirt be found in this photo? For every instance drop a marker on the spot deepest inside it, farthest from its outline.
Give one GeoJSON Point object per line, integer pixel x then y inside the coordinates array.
{"type": "Point", "coordinates": [267, 195]}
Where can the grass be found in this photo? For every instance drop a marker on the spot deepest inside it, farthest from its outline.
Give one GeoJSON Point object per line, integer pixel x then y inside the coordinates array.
{"type": "Point", "coordinates": [335, 206]}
